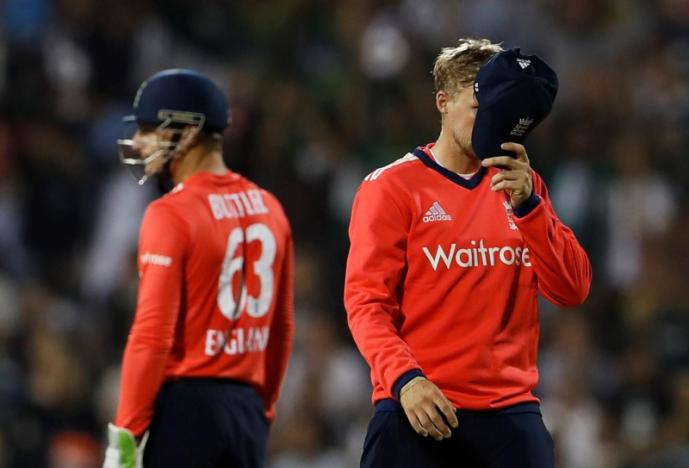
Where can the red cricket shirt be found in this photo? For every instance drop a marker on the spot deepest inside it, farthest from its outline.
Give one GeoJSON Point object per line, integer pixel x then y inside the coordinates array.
{"type": "Point", "coordinates": [199, 245]}
{"type": "Point", "coordinates": [443, 277]}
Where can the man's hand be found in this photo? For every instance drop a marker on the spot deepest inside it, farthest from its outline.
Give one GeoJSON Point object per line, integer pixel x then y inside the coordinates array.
{"type": "Point", "coordinates": [515, 178]}
{"type": "Point", "coordinates": [425, 406]}
{"type": "Point", "coordinates": [123, 450]}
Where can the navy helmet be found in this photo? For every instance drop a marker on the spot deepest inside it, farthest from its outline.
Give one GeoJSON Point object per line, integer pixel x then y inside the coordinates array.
{"type": "Point", "coordinates": [172, 99]}
{"type": "Point", "coordinates": [181, 97]}
{"type": "Point", "coordinates": [515, 92]}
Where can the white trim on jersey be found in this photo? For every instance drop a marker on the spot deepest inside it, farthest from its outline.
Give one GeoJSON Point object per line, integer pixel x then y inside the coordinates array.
{"type": "Point", "coordinates": [375, 174]}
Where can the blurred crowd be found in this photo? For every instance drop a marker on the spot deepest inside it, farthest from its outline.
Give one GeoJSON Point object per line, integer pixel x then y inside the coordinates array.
{"type": "Point", "coordinates": [321, 93]}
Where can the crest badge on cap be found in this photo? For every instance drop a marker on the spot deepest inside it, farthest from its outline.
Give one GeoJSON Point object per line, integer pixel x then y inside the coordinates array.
{"type": "Point", "coordinates": [515, 92]}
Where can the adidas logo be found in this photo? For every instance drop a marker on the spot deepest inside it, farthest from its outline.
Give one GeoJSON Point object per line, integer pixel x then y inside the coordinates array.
{"type": "Point", "coordinates": [436, 213]}
{"type": "Point", "coordinates": [521, 127]}
{"type": "Point", "coordinates": [523, 62]}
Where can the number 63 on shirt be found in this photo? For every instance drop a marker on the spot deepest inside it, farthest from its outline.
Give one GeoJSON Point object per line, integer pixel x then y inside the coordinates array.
{"type": "Point", "coordinates": [262, 267]}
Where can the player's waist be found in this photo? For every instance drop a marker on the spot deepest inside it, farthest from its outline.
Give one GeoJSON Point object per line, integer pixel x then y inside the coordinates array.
{"type": "Point", "coordinates": [499, 396]}
{"type": "Point", "coordinates": [211, 395]}
{"type": "Point", "coordinates": [201, 381]}
{"type": "Point", "coordinates": [220, 384]}
{"type": "Point", "coordinates": [388, 404]}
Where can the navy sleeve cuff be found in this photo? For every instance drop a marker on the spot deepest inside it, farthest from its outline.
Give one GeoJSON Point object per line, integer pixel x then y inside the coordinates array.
{"type": "Point", "coordinates": [403, 380]}
{"type": "Point", "coordinates": [527, 206]}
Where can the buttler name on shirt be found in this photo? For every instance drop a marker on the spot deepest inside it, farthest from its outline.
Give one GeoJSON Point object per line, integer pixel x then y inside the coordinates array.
{"type": "Point", "coordinates": [237, 205]}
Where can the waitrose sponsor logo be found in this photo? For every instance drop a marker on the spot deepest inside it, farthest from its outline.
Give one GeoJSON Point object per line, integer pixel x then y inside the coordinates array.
{"type": "Point", "coordinates": [477, 254]}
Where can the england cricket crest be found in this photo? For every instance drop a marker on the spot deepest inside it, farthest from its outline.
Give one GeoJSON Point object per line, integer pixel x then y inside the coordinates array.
{"type": "Point", "coordinates": [509, 212]}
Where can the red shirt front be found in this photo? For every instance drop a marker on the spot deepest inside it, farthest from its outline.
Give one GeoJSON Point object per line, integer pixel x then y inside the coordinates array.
{"type": "Point", "coordinates": [442, 276]}
{"type": "Point", "coordinates": [200, 245]}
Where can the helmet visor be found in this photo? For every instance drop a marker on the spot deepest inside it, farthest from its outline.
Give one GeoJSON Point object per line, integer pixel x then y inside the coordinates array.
{"type": "Point", "coordinates": [130, 154]}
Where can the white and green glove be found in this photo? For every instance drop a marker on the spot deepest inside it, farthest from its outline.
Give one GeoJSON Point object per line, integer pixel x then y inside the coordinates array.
{"type": "Point", "coordinates": [123, 451]}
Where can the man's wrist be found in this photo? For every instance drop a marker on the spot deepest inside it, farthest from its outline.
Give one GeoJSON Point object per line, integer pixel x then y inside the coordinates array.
{"type": "Point", "coordinates": [408, 386]}
{"type": "Point", "coordinates": [402, 380]}
{"type": "Point", "coordinates": [527, 206]}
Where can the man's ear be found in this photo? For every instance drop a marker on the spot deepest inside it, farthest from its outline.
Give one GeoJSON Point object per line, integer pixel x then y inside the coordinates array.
{"type": "Point", "coordinates": [441, 99]}
{"type": "Point", "coordinates": [190, 137]}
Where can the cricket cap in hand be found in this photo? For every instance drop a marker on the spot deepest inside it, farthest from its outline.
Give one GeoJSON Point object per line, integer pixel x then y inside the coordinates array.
{"type": "Point", "coordinates": [515, 92]}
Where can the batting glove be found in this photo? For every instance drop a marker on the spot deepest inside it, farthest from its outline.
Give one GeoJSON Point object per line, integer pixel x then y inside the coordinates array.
{"type": "Point", "coordinates": [123, 451]}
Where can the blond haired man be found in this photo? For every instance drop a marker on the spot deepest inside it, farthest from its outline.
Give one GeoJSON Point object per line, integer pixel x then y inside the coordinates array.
{"type": "Point", "coordinates": [450, 246]}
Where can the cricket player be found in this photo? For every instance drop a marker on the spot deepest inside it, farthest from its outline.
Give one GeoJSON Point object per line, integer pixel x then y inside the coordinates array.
{"type": "Point", "coordinates": [450, 247]}
{"type": "Point", "coordinates": [208, 348]}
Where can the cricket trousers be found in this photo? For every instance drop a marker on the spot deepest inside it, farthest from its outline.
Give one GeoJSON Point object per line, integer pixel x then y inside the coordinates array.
{"type": "Point", "coordinates": [514, 437]}
{"type": "Point", "coordinates": [207, 423]}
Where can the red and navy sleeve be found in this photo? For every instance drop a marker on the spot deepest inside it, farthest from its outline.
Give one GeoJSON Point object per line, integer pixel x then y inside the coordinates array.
{"type": "Point", "coordinates": [562, 268]}
{"type": "Point", "coordinates": [282, 331]}
{"type": "Point", "coordinates": [378, 231]}
{"type": "Point", "coordinates": [162, 246]}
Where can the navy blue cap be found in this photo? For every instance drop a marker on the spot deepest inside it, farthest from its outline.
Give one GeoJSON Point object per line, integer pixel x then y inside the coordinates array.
{"type": "Point", "coordinates": [515, 93]}
{"type": "Point", "coordinates": [175, 94]}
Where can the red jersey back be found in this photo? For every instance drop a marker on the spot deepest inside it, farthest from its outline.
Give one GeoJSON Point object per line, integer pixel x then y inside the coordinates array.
{"type": "Point", "coordinates": [215, 292]}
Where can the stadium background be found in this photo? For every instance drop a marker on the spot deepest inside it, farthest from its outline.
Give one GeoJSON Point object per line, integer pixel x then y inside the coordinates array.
{"type": "Point", "coordinates": [321, 93]}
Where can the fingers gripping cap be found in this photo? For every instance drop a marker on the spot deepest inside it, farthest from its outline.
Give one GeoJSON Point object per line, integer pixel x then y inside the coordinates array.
{"type": "Point", "coordinates": [177, 95]}
{"type": "Point", "coordinates": [515, 93]}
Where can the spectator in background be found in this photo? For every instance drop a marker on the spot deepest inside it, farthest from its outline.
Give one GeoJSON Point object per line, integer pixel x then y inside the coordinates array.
{"type": "Point", "coordinates": [74, 450]}
{"type": "Point", "coordinates": [640, 205]}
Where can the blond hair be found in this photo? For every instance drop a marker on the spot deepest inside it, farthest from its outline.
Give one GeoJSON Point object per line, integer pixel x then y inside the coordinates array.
{"type": "Point", "coordinates": [456, 67]}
